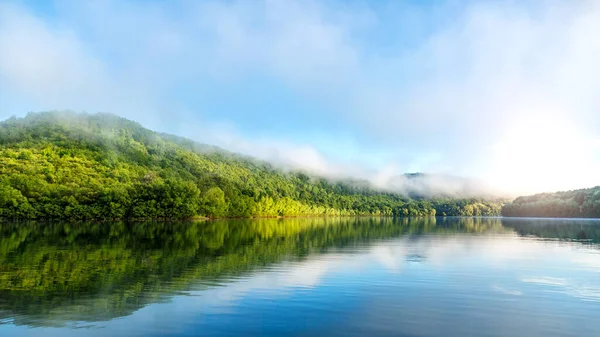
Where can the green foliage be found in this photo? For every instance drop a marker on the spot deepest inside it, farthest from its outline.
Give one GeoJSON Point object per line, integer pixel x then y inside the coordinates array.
{"type": "Point", "coordinates": [467, 207]}
{"type": "Point", "coordinates": [64, 165]}
{"type": "Point", "coordinates": [583, 203]}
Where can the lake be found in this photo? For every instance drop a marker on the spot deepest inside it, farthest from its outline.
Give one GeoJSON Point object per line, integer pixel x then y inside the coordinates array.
{"type": "Point", "coordinates": [302, 277]}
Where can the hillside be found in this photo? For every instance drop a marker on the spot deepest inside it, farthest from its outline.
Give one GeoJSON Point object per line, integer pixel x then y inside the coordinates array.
{"type": "Point", "coordinates": [584, 203]}
{"type": "Point", "coordinates": [65, 165]}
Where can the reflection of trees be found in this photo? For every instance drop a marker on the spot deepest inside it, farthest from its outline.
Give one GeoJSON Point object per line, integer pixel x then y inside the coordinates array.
{"type": "Point", "coordinates": [562, 229]}
{"type": "Point", "coordinates": [94, 271]}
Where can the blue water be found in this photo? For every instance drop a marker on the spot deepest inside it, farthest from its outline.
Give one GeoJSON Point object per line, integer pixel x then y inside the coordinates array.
{"type": "Point", "coordinates": [302, 277]}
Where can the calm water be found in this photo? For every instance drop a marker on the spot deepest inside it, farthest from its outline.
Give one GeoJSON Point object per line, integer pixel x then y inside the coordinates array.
{"type": "Point", "coordinates": [302, 277]}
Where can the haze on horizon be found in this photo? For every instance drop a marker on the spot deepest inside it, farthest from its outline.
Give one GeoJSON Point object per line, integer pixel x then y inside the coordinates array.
{"type": "Point", "coordinates": [504, 92]}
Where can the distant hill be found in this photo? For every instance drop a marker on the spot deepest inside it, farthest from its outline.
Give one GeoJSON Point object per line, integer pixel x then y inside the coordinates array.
{"type": "Point", "coordinates": [66, 165]}
{"type": "Point", "coordinates": [584, 203]}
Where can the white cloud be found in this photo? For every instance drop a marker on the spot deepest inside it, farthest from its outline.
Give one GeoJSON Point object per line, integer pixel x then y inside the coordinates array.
{"type": "Point", "coordinates": [50, 65]}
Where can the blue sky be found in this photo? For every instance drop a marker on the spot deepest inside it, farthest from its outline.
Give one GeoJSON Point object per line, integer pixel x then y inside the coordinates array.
{"type": "Point", "coordinates": [503, 91]}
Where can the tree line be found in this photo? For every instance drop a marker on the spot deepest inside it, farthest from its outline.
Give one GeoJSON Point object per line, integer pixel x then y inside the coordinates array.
{"type": "Point", "coordinates": [584, 203]}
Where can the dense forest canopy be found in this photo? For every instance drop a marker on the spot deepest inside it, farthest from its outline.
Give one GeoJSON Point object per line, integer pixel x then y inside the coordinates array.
{"type": "Point", "coordinates": [584, 203]}
{"type": "Point", "coordinates": [65, 165]}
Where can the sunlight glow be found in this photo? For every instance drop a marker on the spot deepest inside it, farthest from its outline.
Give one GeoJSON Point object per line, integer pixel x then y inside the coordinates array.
{"type": "Point", "coordinates": [542, 155]}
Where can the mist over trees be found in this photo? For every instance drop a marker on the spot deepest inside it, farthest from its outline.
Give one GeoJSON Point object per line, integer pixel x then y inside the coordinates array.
{"type": "Point", "coordinates": [65, 165]}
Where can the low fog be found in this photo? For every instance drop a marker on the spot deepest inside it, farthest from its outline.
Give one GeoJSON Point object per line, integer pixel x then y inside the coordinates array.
{"type": "Point", "coordinates": [498, 97]}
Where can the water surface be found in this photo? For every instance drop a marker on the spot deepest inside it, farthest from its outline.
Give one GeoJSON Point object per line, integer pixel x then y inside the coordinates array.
{"type": "Point", "coordinates": [302, 277]}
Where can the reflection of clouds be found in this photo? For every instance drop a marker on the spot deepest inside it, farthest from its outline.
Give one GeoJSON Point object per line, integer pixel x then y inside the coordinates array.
{"type": "Point", "coordinates": [282, 279]}
{"type": "Point", "coordinates": [277, 281]}
{"type": "Point", "coordinates": [444, 251]}
{"type": "Point", "coordinates": [573, 288]}
{"type": "Point", "coordinates": [390, 257]}
{"type": "Point", "coordinates": [462, 263]}
{"type": "Point", "coordinates": [549, 281]}
{"type": "Point", "coordinates": [509, 252]}
{"type": "Point", "coordinates": [468, 253]}
{"type": "Point", "coordinates": [591, 260]}
{"type": "Point", "coordinates": [587, 293]}
{"type": "Point", "coordinates": [506, 291]}
{"type": "Point", "coordinates": [306, 275]}
{"type": "Point", "coordinates": [495, 251]}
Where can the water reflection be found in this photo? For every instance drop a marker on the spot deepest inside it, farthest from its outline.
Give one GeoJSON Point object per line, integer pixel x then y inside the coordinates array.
{"type": "Point", "coordinates": [74, 275]}
{"type": "Point", "coordinates": [582, 230]}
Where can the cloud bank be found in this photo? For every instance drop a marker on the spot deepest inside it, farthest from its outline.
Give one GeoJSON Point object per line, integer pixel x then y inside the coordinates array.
{"type": "Point", "coordinates": [501, 91]}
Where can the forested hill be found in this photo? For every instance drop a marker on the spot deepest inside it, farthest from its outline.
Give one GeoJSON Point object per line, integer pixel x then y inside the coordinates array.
{"type": "Point", "coordinates": [65, 165]}
{"type": "Point", "coordinates": [584, 203]}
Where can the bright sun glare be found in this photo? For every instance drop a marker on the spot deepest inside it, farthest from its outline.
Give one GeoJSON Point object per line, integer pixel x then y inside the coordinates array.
{"type": "Point", "coordinates": [540, 155]}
